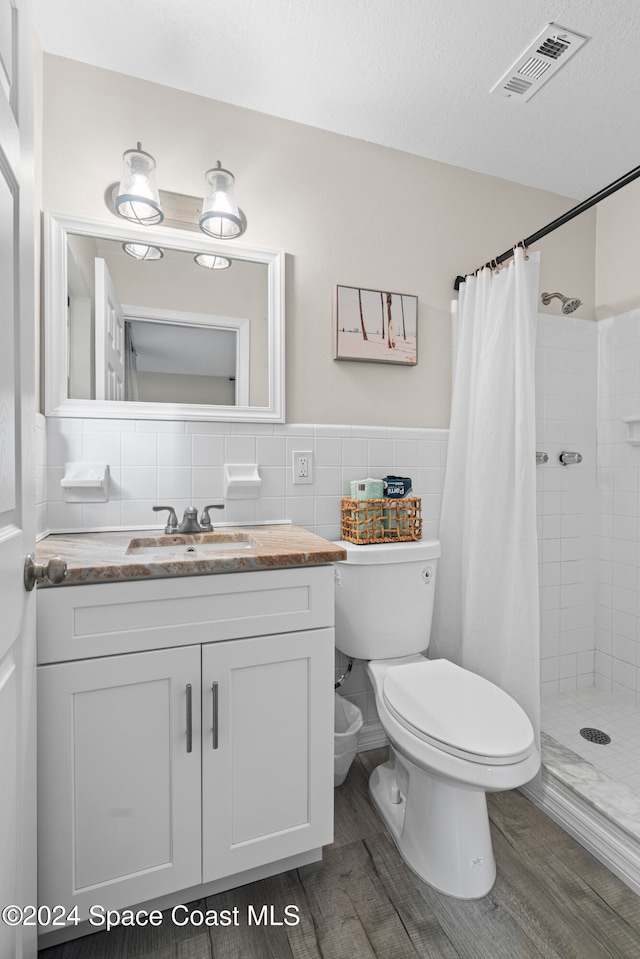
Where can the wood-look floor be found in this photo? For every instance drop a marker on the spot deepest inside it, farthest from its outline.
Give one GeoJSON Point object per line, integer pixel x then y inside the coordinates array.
{"type": "Point", "coordinates": [551, 899]}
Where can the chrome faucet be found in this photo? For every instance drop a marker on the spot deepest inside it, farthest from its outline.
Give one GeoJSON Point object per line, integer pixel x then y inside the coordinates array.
{"type": "Point", "coordinates": [205, 519]}
{"type": "Point", "coordinates": [189, 522]}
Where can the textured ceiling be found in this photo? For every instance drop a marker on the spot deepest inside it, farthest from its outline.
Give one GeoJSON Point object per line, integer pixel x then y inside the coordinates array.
{"type": "Point", "coordinates": [410, 74]}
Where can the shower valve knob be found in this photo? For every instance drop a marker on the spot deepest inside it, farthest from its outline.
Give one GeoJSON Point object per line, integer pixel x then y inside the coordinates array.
{"type": "Point", "coordinates": [570, 459]}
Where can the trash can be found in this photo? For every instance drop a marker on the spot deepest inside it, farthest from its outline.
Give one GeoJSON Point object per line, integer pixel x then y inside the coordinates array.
{"type": "Point", "coordinates": [348, 723]}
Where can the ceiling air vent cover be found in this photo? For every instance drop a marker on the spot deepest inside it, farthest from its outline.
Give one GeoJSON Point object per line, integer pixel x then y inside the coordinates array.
{"type": "Point", "coordinates": [549, 51]}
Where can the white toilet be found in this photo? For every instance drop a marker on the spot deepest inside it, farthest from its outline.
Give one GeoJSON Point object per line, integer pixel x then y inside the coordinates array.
{"type": "Point", "coordinates": [454, 735]}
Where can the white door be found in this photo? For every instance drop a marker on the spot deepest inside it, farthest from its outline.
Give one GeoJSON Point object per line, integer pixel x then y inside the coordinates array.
{"type": "Point", "coordinates": [267, 749]}
{"type": "Point", "coordinates": [119, 778]}
{"type": "Point", "coordinates": [109, 337]}
{"type": "Point", "coordinates": [17, 475]}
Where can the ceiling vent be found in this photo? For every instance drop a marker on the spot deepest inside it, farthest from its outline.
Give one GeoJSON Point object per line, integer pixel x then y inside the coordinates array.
{"type": "Point", "coordinates": [550, 50]}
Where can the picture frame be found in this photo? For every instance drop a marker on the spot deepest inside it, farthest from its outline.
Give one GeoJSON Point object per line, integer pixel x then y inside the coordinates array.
{"type": "Point", "coordinates": [375, 326]}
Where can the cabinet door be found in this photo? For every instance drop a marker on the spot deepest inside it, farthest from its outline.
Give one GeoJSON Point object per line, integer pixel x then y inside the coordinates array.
{"type": "Point", "coordinates": [268, 779]}
{"type": "Point", "coordinates": [119, 788]}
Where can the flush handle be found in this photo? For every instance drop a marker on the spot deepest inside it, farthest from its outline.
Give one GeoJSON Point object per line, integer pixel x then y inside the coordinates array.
{"type": "Point", "coordinates": [54, 570]}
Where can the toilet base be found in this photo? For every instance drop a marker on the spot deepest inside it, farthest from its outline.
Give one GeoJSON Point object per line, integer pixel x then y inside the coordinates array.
{"type": "Point", "coordinates": [441, 828]}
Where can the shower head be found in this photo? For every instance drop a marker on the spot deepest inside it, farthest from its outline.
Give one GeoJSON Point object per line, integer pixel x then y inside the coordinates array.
{"type": "Point", "coordinates": [569, 303]}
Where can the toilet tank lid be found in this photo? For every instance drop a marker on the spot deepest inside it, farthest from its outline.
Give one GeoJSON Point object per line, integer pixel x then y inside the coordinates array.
{"type": "Point", "coordinates": [412, 552]}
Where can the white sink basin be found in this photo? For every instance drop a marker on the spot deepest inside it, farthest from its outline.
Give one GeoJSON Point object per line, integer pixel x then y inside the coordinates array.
{"type": "Point", "coordinates": [190, 547]}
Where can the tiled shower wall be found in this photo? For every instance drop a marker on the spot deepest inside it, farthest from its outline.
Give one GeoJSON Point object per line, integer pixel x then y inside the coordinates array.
{"type": "Point", "coordinates": [566, 401]}
{"type": "Point", "coordinates": [588, 379]}
{"type": "Point", "coordinates": [617, 666]}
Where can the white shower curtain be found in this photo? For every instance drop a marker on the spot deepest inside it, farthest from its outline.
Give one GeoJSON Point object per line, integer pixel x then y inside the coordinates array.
{"type": "Point", "coordinates": [486, 607]}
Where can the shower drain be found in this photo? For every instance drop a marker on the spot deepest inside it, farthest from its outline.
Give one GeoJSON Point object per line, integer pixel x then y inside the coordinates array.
{"type": "Point", "coordinates": [595, 736]}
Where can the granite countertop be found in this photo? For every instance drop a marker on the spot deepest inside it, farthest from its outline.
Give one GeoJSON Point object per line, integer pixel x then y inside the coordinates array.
{"type": "Point", "coordinates": [109, 557]}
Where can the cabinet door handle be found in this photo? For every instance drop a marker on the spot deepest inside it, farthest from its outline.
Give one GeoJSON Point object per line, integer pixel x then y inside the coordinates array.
{"type": "Point", "coordinates": [214, 725]}
{"type": "Point", "coordinates": [189, 719]}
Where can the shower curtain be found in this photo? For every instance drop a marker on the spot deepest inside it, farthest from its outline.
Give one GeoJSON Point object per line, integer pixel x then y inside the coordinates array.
{"type": "Point", "coordinates": [486, 606]}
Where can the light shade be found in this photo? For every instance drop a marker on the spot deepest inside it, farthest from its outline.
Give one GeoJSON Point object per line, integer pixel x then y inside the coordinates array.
{"type": "Point", "coordinates": [221, 217]}
{"type": "Point", "coordinates": [138, 197]}
{"type": "Point", "coordinates": [209, 261]}
{"type": "Point", "coordinates": [140, 251]}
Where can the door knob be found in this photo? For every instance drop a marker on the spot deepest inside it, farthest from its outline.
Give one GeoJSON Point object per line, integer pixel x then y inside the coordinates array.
{"type": "Point", "coordinates": [54, 570]}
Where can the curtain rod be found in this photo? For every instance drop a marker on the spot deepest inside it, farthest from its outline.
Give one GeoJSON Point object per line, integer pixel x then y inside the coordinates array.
{"type": "Point", "coordinates": [561, 220]}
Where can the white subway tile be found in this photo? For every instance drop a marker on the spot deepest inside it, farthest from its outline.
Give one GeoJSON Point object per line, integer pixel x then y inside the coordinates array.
{"type": "Point", "coordinates": [239, 449]}
{"type": "Point", "coordinates": [174, 450]}
{"type": "Point", "coordinates": [139, 483]}
{"type": "Point", "coordinates": [208, 449]}
{"type": "Point", "coordinates": [381, 454]}
{"type": "Point", "coordinates": [207, 483]}
{"type": "Point", "coordinates": [355, 453]}
{"type": "Point", "coordinates": [174, 483]}
{"type": "Point", "coordinates": [159, 426]}
{"type": "Point", "coordinates": [139, 449]}
{"type": "Point", "coordinates": [274, 481]}
{"type": "Point", "coordinates": [328, 451]}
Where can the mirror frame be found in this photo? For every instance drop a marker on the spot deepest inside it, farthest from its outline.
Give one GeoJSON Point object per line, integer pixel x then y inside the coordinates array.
{"type": "Point", "coordinates": [56, 343]}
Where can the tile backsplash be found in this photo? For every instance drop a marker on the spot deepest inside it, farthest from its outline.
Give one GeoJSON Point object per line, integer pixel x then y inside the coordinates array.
{"type": "Point", "coordinates": [181, 464]}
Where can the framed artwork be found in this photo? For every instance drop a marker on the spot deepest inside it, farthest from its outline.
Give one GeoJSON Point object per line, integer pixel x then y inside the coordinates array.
{"type": "Point", "coordinates": [374, 326]}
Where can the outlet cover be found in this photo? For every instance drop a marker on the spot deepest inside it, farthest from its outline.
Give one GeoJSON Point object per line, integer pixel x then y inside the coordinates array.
{"type": "Point", "coordinates": [302, 466]}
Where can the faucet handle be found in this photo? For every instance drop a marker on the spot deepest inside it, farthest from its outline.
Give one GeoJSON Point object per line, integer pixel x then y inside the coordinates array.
{"type": "Point", "coordinates": [172, 520]}
{"type": "Point", "coordinates": [205, 519]}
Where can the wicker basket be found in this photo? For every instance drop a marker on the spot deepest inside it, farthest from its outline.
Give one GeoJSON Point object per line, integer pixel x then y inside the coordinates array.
{"type": "Point", "coordinates": [366, 521]}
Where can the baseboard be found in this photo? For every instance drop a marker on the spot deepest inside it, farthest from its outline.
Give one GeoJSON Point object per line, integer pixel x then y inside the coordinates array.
{"type": "Point", "coordinates": [372, 736]}
{"type": "Point", "coordinates": [612, 846]}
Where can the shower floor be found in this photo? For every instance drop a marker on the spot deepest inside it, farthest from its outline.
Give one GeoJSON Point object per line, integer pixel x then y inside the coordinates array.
{"type": "Point", "coordinates": [604, 778]}
{"type": "Point", "coordinates": [593, 790]}
{"type": "Point", "coordinates": [564, 715]}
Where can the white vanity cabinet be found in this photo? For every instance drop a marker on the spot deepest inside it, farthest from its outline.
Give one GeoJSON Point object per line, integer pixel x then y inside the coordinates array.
{"type": "Point", "coordinates": [185, 733]}
{"type": "Point", "coordinates": [119, 795]}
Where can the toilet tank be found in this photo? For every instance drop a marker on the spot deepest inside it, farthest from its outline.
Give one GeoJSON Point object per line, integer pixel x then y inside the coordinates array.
{"type": "Point", "coordinates": [384, 598]}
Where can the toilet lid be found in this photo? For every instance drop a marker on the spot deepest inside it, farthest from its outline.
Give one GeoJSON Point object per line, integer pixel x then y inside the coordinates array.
{"type": "Point", "coordinates": [458, 712]}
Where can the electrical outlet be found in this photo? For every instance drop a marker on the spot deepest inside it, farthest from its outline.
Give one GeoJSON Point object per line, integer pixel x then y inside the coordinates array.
{"type": "Point", "coordinates": [302, 466]}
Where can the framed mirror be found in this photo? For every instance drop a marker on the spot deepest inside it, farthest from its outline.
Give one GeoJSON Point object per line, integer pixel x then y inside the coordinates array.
{"type": "Point", "coordinates": [137, 328]}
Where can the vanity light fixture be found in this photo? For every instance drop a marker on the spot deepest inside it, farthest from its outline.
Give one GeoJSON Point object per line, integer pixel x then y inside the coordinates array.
{"type": "Point", "coordinates": [209, 261]}
{"type": "Point", "coordinates": [221, 217]}
{"type": "Point", "coordinates": [138, 199]}
{"type": "Point", "coordinates": [141, 251]}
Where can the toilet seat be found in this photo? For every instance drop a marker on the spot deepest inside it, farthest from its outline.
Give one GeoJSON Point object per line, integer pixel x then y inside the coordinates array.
{"type": "Point", "coordinates": [458, 712]}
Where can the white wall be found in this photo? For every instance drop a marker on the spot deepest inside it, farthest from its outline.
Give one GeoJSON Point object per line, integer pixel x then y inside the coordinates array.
{"type": "Point", "coordinates": [345, 211]}
{"type": "Point", "coordinates": [617, 279]}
